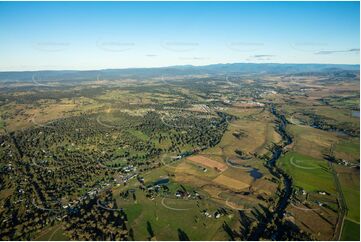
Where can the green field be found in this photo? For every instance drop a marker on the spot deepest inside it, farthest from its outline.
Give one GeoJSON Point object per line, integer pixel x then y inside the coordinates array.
{"type": "Point", "coordinates": [307, 172]}
{"type": "Point", "coordinates": [352, 196]}
{"type": "Point", "coordinates": [351, 231]}
{"type": "Point", "coordinates": [350, 185]}
{"type": "Point", "coordinates": [165, 222]}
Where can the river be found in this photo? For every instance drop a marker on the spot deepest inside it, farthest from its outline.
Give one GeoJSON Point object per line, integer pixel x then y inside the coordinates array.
{"type": "Point", "coordinates": [279, 211]}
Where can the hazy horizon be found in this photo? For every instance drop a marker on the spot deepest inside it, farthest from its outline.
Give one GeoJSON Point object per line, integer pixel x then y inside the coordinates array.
{"type": "Point", "coordinates": [185, 65]}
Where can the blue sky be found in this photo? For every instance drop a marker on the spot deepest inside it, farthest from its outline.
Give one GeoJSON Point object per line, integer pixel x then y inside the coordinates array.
{"type": "Point", "coordinates": [98, 35]}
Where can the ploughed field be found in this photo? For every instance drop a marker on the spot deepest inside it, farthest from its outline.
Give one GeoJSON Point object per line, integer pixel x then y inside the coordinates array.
{"type": "Point", "coordinates": [177, 158]}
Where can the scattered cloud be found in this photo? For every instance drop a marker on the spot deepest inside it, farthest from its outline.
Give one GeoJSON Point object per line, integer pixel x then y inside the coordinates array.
{"type": "Point", "coordinates": [328, 52]}
{"type": "Point", "coordinates": [193, 58]}
{"type": "Point", "coordinates": [262, 56]}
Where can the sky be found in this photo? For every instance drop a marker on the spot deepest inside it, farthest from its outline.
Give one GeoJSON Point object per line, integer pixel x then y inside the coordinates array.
{"type": "Point", "coordinates": [101, 35]}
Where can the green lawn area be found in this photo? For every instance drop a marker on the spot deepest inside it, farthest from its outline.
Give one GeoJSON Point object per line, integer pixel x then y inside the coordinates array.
{"type": "Point", "coordinates": [120, 151]}
{"type": "Point", "coordinates": [309, 173]}
{"type": "Point", "coordinates": [165, 222]}
{"type": "Point", "coordinates": [116, 163]}
{"type": "Point", "coordinates": [351, 231]}
{"type": "Point", "coordinates": [138, 134]}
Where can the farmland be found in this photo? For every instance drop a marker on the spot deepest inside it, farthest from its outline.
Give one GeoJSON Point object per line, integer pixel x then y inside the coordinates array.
{"type": "Point", "coordinates": [240, 156]}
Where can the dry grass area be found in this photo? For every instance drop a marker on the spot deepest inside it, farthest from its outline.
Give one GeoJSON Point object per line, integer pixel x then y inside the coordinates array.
{"type": "Point", "coordinates": [318, 222]}
{"type": "Point", "coordinates": [27, 116]}
{"type": "Point", "coordinates": [263, 186]}
{"type": "Point", "coordinates": [202, 160]}
{"type": "Point", "coordinates": [230, 182]}
{"type": "Point", "coordinates": [257, 137]}
{"type": "Point", "coordinates": [195, 169]}
{"type": "Point", "coordinates": [311, 141]}
{"type": "Point", "coordinates": [196, 181]}
{"type": "Point", "coordinates": [20, 116]}
{"type": "Point", "coordinates": [239, 175]}
{"type": "Point", "coordinates": [243, 112]}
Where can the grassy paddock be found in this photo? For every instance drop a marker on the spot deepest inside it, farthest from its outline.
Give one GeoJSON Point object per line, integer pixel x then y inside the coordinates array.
{"type": "Point", "coordinates": [165, 222]}
{"type": "Point", "coordinates": [351, 231]}
{"type": "Point", "coordinates": [309, 173]}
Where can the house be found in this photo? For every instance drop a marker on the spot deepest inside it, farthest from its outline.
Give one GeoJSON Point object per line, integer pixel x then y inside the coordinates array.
{"type": "Point", "coordinates": [319, 203]}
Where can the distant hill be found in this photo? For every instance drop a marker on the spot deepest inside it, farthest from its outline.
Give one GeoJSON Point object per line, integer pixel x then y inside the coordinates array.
{"type": "Point", "coordinates": [216, 69]}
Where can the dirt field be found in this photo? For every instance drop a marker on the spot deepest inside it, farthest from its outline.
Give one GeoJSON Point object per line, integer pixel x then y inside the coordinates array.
{"type": "Point", "coordinates": [208, 162]}
{"type": "Point", "coordinates": [318, 222]}
{"type": "Point", "coordinates": [230, 182]}
{"type": "Point", "coordinates": [195, 169]}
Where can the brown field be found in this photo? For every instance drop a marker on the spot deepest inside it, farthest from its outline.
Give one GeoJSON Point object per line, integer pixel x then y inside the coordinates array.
{"type": "Point", "coordinates": [196, 181]}
{"type": "Point", "coordinates": [311, 141]}
{"type": "Point", "coordinates": [231, 182]}
{"type": "Point", "coordinates": [208, 162]}
{"type": "Point", "coordinates": [263, 186]}
{"type": "Point", "coordinates": [318, 222]}
{"type": "Point", "coordinates": [195, 169]}
{"type": "Point", "coordinates": [258, 135]}
{"type": "Point", "coordinates": [239, 174]}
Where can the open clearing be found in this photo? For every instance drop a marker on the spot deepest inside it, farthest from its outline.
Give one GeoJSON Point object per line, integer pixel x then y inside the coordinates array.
{"type": "Point", "coordinates": [230, 182]}
{"type": "Point", "coordinates": [202, 160]}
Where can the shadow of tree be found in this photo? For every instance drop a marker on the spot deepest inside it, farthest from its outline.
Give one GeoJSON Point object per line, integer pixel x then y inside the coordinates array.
{"type": "Point", "coordinates": [182, 235]}
{"type": "Point", "coordinates": [150, 230]}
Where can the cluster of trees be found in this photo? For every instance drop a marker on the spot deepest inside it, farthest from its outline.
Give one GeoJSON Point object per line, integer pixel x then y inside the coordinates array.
{"type": "Point", "coordinates": [324, 123]}
{"type": "Point", "coordinates": [47, 167]}
{"type": "Point", "coordinates": [91, 222]}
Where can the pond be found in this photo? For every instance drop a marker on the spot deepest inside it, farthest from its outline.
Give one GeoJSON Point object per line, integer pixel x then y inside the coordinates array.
{"type": "Point", "coordinates": [162, 181]}
{"type": "Point", "coordinates": [355, 114]}
{"type": "Point", "coordinates": [255, 174]}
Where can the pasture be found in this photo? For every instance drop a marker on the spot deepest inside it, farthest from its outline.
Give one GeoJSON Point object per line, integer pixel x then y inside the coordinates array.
{"type": "Point", "coordinates": [351, 231]}
{"type": "Point", "coordinates": [164, 217]}
{"type": "Point", "coordinates": [307, 172]}
{"type": "Point", "coordinates": [350, 184]}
